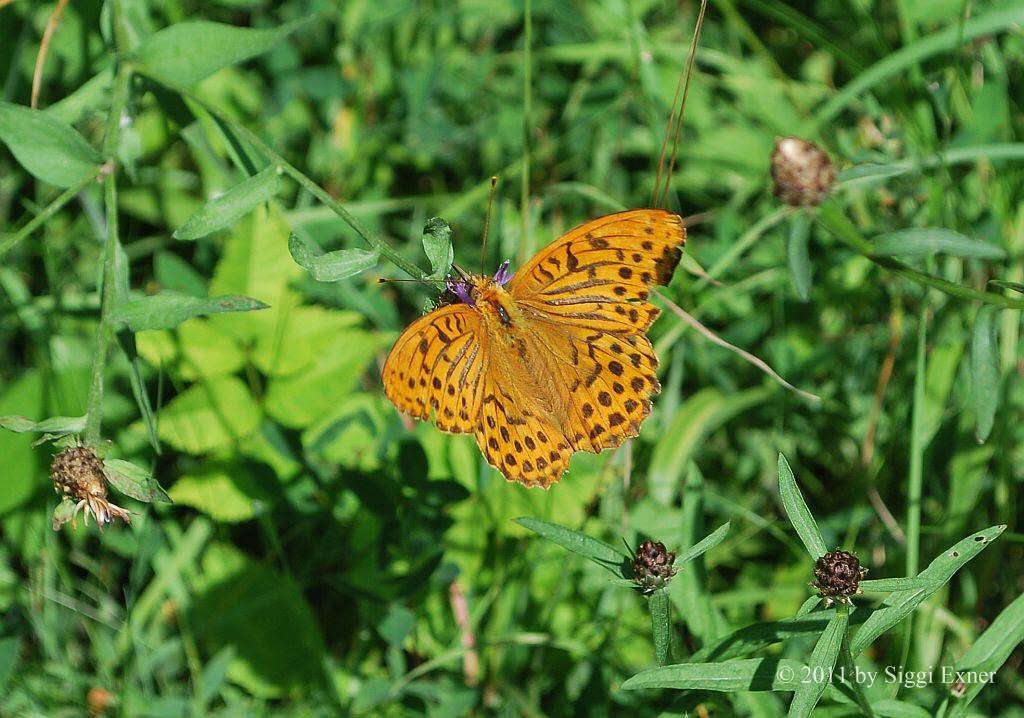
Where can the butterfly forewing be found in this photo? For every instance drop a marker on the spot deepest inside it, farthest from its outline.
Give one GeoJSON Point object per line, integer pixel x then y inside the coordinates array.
{"type": "Point", "coordinates": [437, 366]}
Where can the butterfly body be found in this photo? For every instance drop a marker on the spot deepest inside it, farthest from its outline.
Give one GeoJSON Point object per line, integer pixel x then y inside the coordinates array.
{"type": "Point", "coordinates": [549, 361]}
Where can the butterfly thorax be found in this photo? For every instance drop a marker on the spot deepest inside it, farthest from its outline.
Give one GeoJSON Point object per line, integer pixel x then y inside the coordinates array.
{"type": "Point", "coordinates": [496, 304]}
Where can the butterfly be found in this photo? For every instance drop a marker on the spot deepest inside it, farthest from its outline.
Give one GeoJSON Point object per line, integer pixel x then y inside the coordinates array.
{"type": "Point", "coordinates": [550, 360]}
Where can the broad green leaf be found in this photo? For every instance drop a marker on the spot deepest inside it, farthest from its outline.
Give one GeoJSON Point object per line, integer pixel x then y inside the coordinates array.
{"type": "Point", "coordinates": [53, 425]}
{"type": "Point", "coordinates": [64, 512]}
{"type": "Point", "coordinates": [25, 394]}
{"type": "Point", "coordinates": [132, 480]}
{"type": "Point", "coordinates": [597, 551]}
{"type": "Point", "coordinates": [354, 433]}
{"type": "Point", "coordinates": [988, 654]}
{"type": "Point", "coordinates": [899, 605]}
{"type": "Point", "coordinates": [751, 674]}
{"type": "Point", "coordinates": [301, 399]}
{"type": "Point", "coordinates": [224, 491]}
{"type": "Point", "coordinates": [187, 52]}
{"type": "Point", "coordinates": [332, 266]}
{"type": "Point", "coordinates": [164, 311]}
{"type": "Point", "coordinates": [437, 244]}
{"type": "Point", "coordinates": [49, 149]}
{"type": "Point", "coordinates": [174, 274]}
{"type": "Point", "coordinates": [661, 624]}
{"type": "Point", "coordinates": [397, 624]}
{"type": "Point", "coordinates": [263, 614]}
{"type": "Point", "coordinates": [799, 515]}
{"type": "Point", "coordinates": [930, 241]}
{"type": "Point", "coordinates": [209, 415]}
{"type": "Point", "coordinates": [227, 208]}
{"type": "Point", "coordinates": [823, 660]}
{"type": "Point", "coordinates": [10, 651]}
{"type": "Point", "coordinates": [205, 351]}
{"type": "Point", "coordinates": [799, 260]}
{"type": "Point", "coordinates": [302, 337]}
{"type": "Point", "coordinates": [984, 372]}
{"type": "Point", "coordinates": [704, 545]}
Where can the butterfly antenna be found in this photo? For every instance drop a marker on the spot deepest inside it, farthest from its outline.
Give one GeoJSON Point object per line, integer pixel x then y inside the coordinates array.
{"type": "Point", "coordinates": [675, 121]}
{"type": "Point", "coordinates": [487, 222]}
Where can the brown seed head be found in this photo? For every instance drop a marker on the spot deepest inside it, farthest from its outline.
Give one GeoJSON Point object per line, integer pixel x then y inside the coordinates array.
{"type": "Point", "coordinates": [78, 474]}
{"type": "Point", "coordinates": [837, 576]}
{"type": "Point", "coordinates": [801, 172]}
{"type": "Point", "coordinates": [652, 568]}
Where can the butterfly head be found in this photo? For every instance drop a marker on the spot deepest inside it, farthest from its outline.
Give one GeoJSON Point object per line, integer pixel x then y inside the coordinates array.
{"type": "Point", "coordinates": [469, 288]}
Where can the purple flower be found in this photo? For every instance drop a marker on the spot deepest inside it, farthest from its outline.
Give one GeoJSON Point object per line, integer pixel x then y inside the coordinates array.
{"type": "Point", "coordinates": [502, 276]}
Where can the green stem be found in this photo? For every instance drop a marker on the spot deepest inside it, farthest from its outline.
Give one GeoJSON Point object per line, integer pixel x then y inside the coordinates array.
{"type": "Point", "coordinates": [846, 657]}
{"type": "Point", "coordinates": [51, 209]}
{"type": "Point", "coordinates": [373, 241]}
{"type": "Point", "coordinates": [122, 87]}
{"type": "Point", "coordinates": [524, 186]}
{"type": "Point", "coordinates": [835, 221]}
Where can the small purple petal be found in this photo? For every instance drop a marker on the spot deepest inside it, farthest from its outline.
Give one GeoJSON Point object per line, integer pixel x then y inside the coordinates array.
{"type": "Point", "coordinates": [461, 290]}
{"type": "Point", "coordinates": [502, 276]}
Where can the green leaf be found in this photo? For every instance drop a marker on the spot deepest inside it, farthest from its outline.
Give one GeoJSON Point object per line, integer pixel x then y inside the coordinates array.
{"type": "Point", "coordinates": [437, 244]}
{"type": "Point", "coordinates": [132, 480]}
{"type": "Point", "coordinates": [900, 604]}
{"type": "Point", "coordinates": [661, 624]}
{"type": "Point", "coordinates": [185, 53]}
{"type": "Point", "coordinates": [752, 674]}
{"type": "Point", "coordinates": [174, 274]}
{"type": "Point", "coordinates": [164, 311]}
{"type": "Point", "coordinates": [53, 425]}
{"type": "Point", "coordinates": [214, 673]}
{"type": "Point", "coordinates": [823, 661]}
{"type": "Point", "coordinates": [704, 545]}
{"type": "Point", "coordinates": [1015, 286]}
{"type": "Point", "coordinates": [799, 515]}
{"type": "Point", "coordinates": [597, 551]}
{"type": "Point", "coordinates": [64, 512]}
{"type": "Point", "coordinates": [930, 241]}
{"type": "Point", "coordinates": [799, 260]}
{"type": "Point", "coordinates": [226, 209]}
{"type": "Point", "coordinates": [984, 372]}
{"type": "Point", "coordinates": [886, 585]}
{"type": "Point", "coordinates": [332, 266]}
{"type": "Point", "coordinates": [397, 624]}
{"type": "Point", "coordinates": [210, 415]}
{"type": "Point", "coordinates": [264, 616]}
{"type": "Point", "coordinates": [48, 148]}
{"type": "Point", "coordinates": [28, 394]}
{"type": "Point", "coordinates": [223, 490]}
{"type": "Point", "coordinates": [989, 653]}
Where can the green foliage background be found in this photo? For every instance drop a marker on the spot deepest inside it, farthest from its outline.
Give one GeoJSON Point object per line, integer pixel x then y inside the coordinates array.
{"type": "Point", "coordinates": [318, 545]}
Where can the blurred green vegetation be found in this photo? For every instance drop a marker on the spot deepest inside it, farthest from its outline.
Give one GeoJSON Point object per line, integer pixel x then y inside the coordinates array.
{"type": "Point", "coordinates": [319, 550]}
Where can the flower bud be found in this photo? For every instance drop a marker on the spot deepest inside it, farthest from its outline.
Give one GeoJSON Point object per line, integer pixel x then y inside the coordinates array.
{"type": "Point", "coordinates": [652, 567]}
{"type": "Point", "coordinates": [802, 173]}
{"type": "Point", "coordinates": [837, 576]}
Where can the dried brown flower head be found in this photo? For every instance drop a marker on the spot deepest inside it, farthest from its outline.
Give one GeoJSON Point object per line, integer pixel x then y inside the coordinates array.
{"type": "Point", "coordinates": [653, 566]}
{"type": "Point", "coordinates": [79, 474]}
{"type": "Point", "coordinates": [802, 173]}
{"type": "Point", "coordinates": [837, 576]}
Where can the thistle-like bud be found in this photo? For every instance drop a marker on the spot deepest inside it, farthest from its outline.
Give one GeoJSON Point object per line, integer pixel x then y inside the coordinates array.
{"type": "Point", "coordinates": [802, 173]}
{"type": "Point", "coordinates": [837, 576]}
{"type": "Point", "coordinates": [80, 476]}
{"type": "Point", "coordinates": [652, 567]}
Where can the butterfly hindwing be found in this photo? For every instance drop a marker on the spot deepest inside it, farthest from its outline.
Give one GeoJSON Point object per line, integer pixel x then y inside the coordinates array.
{"type": "Point", "coordinates": [437, 366]}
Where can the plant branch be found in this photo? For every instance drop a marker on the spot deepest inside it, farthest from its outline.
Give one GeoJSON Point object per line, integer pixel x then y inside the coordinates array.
{"type": "Point", "coordinates": [47, 212]}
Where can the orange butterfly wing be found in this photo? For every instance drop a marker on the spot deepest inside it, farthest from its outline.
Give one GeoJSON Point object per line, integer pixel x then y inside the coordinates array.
{"type": "Point", "coordinates": [438, 365]}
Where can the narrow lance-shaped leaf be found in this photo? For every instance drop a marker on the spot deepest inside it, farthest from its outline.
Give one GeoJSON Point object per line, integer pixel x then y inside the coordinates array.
{"type": "Point", "coordinates": [901, 583]}
{"type": "Point", "coordinates": [53, 425]}
{"type": "Point", "coordinates": [822, 663]}
{"type": "Point", "coordinates": [984, 373]}
{"type": "Point", "coordinates": [799, 515]}
{"type": "Point", "coordinates": [132, 480]}
{"type": "Point", "coordinates": [165, 311]}
{"type": "Point", "coordinates": [898, 606]}
{"type": "Point", "coordinates": [1003, 284]}
{"type": "Point", "coordinates": [186, 52]}
{"type": "Point", "coordinates": [332, 266]}
{"type": "Point", "coordinates": [48, 148]}
{"type": "Point", "coordinates": [930, 241]}
{"type": "Point", "coordinates": [750, 674]}
{"type": "Point", "coordinates": [437, 244]}
{"type": "Point", "coordinates": [799, 259]}
{"type": "Point", "coordinates": [704, 545]}
{"type": "Point", "coordinates": [661, 624]}
{"type": "Point", "coordinates": [987, 655]}
{"type": "Point", "coordinates": [228, 208]}
{"type": "Point", "coordinates": [597, 551]}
